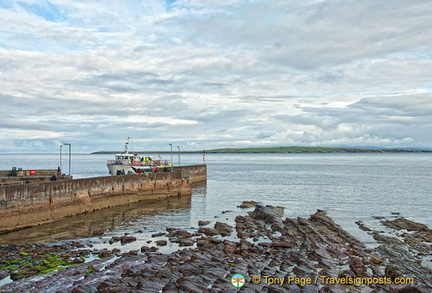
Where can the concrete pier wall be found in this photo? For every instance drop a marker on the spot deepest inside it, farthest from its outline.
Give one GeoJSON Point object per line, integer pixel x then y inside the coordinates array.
{"type": "Point", "coordinates": [38, 203]}
{"type": "Point", "coordinates": [196, 173]}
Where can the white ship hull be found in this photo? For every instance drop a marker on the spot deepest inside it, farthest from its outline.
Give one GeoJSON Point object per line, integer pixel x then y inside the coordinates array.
{"type": "Point", "coordinates": [126, 169]}
{"type": "Point", "coordinates": [126, 163]}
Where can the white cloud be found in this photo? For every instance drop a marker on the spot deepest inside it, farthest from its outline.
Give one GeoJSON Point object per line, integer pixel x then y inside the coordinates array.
{"type": "Point", "coordinates": [215, 74]}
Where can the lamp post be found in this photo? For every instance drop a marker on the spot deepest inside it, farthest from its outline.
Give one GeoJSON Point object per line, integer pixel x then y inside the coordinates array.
{"type": "Point", "coordinates": [178, 148]}
{"type": "Point", "coordinates": [60, 158]}
{"type": "Point", "coordinates": [70, 146]}
{"type": "Point", "coordinates": [171, 162]}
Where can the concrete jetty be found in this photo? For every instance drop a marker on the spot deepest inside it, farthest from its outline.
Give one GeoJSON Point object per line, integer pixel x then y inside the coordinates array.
{"type": "Point", "coordinates": [33, 204]}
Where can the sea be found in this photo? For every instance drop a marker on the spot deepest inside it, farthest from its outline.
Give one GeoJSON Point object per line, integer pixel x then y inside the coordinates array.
{"type": "Point", "coordinates": [350, 187]}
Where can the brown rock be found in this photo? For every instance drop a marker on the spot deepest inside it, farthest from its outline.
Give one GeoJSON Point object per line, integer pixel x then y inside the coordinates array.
{"type": "Point", "coordinates": [208, 231]}
{"type": "Point", "coordinates": [203, 223]}
{"type": "Point", "coordinates": [145, 248]}
{"type": "Point", "coordinates": [356, 265]}
{"type": "Point", "coordinates": [104, 253]}
{"type": "Point", "coordinates": [375, 260]}
{"type": "Point", "coordinates": [186, 242]}
{"type": "Point", "coordinates": [408, 288]}
{"type": "Point", "coordinates": [223, 228]}
{"type": "Point", "coordinates": [392, 272]}
{"type": "Point", "coordinates": [161, 243]}
{"type": "Point", "coordinates": [230, 248]}
{"type": "Point", "coordinates": [248, 204]}
{"type": "Point", "coordinates": [84, 288]}
{"type": "Point", "coordinates": [127, 239]}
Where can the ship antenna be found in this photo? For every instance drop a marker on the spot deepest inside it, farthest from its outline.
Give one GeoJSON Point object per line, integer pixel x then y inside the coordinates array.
{"type": "Point", "coordinates": [127, 145]}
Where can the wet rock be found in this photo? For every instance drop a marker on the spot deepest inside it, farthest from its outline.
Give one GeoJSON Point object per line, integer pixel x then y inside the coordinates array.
{"type": "Point", "coordinates": [356, 266]}
{"type": "Point", "coordinates": [158, 234]}
{"type": "Point", "coordinates": [127, 239]}
{"type": "Point", "coordinates": [408, 288]}
{"type": "Point", "coordinates": [114, 239]}
{"type": "Point", "coordinates": [230, 248]}
{"type": "Point", "coordinates": [245, 245]}
{"type": "Point", "coordinates": [247, 204]}
{"type": "Point", "coordinates": [203, 223]}
{"type": "Point", "coordinates": [191, 284]}
{"type": "Point", "coordinates": [3, 274]}
{"type": "Point", "coordinates": [392, 272]}
{"type": "Point", "coordinates": [115, 251]}
{"type": "Point", "coordinates": [161, 243]}
{"type": "Point", "coordinates": [401, 223]}
{"type": "Point", "coordinates": [85, 288]}
{"type": "Point", "coordinates": [208, 231]}
{"type": "Point", "coordinates": [104, 253]}
{"type": "Point", "coordinates": [268, 214]}
{"type": "Point", "coordinates": [78, 260]}
{"type": "Point", "coordinates": [223, 229]}
{"type": "Point", "coordinates": [145, 248]}
{"type": "Point", "coordinates": [375, 260]}
{"type": "Point", "coordinates": [186, 242]}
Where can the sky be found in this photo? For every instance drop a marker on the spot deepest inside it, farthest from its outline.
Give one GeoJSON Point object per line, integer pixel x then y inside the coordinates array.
{"type": "Point", "coordinates": [203, 74]}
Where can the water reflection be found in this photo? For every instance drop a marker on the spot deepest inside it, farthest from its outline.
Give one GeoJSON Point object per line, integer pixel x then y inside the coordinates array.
{"type": "Point", "coordinates": [97, 223]}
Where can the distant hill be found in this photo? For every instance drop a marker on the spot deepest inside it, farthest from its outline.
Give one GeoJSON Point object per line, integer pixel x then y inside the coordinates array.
{"type": "Point", "coordinates": [289, 149]}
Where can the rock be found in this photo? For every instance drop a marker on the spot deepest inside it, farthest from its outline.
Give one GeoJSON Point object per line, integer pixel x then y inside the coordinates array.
{"type": "Point", "coordinates": [158, 234]}
{"type": "Point", "coordinates": [115, 250]}
{"type": "Point", "coordinates": [3, 274]}
{"type": "Point", "coordinates": [85, 288]}
{"type": "Point", "coordinates": [191, 284]}
{"type": "Point", "coordinates": [127, 239]}
{"type": "Point", "coordinates": [203, 223]}
{"type": "Point", "coordinates": [223, 229]}
{"type": "Point", "coordinates": [392, 272]}
{"type": "Point", "coordinates": [145, 248]}
{"type": "Point", "coordinates": [161, 243]}
{"type": "Point", "coordinates": [375, 260]}
{"type": "Point", "coordinates": [104, 253]}
{"type": "Point", "coordinates": [114, 239]}
{"type": "Point", "coordinates": [208, 231]}
{"type": "Point", "coordinates": [408, 288]}
{"type": "Point", "coordinates": [356, 266]}
{"type": "Point", "coordinates": [230, 248]}
{"type": "Point", "coordinates": [268, 214]}
{"type": "Point", "coordinates": [283, 244]}
{"type": "Point", "coordinates": [245, 245]}
{"type": "Point", "coordinates": [186, 242]}
{"type": "Point", "coordinates": [78, 260]}
{"type": "Point", "coordinates": [247, 204]}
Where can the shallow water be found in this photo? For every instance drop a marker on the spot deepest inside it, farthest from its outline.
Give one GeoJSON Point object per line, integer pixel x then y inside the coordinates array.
{"type": "Point", "coordinates": [349, 187]}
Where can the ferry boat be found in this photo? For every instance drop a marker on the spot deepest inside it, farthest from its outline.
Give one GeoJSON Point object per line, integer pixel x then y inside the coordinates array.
{"type": "Point", "coordinates": [126, 163]}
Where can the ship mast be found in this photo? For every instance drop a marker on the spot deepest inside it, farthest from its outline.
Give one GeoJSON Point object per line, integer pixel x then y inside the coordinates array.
{"type": "Point", "coordinates": [127, 145]}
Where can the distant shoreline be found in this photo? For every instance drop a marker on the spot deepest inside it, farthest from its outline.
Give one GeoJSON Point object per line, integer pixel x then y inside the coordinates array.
{"type": "Point", "coordinates": [291, 149]}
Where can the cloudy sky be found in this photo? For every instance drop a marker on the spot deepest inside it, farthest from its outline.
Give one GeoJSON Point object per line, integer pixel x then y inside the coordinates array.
{"type": "Point", "coordinates": [206, 74]}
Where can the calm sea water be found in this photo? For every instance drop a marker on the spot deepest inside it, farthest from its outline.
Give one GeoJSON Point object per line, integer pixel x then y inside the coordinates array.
{"type": "Point", "coordinates": [349, 187]}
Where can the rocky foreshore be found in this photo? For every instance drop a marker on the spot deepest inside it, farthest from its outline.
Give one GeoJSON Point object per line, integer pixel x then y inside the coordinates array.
{"type": "Point", "coordinates": [268, 254]}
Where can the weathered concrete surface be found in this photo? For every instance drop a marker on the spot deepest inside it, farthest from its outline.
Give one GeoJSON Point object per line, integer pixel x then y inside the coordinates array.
{"type": "Point", "coordinates": [38, 203]}
{"type": "Point", "coordinates": [290, 255]}
{"type": "Point", "coordinates": [196, 173]}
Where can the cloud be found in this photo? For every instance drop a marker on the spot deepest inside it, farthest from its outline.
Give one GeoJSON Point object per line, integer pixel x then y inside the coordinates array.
{"type": "Point", "coordinates": [219, 74]}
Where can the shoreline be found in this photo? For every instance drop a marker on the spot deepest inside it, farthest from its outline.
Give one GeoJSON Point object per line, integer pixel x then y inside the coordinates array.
{"type": "Point", "coordinates": [260, 244]}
